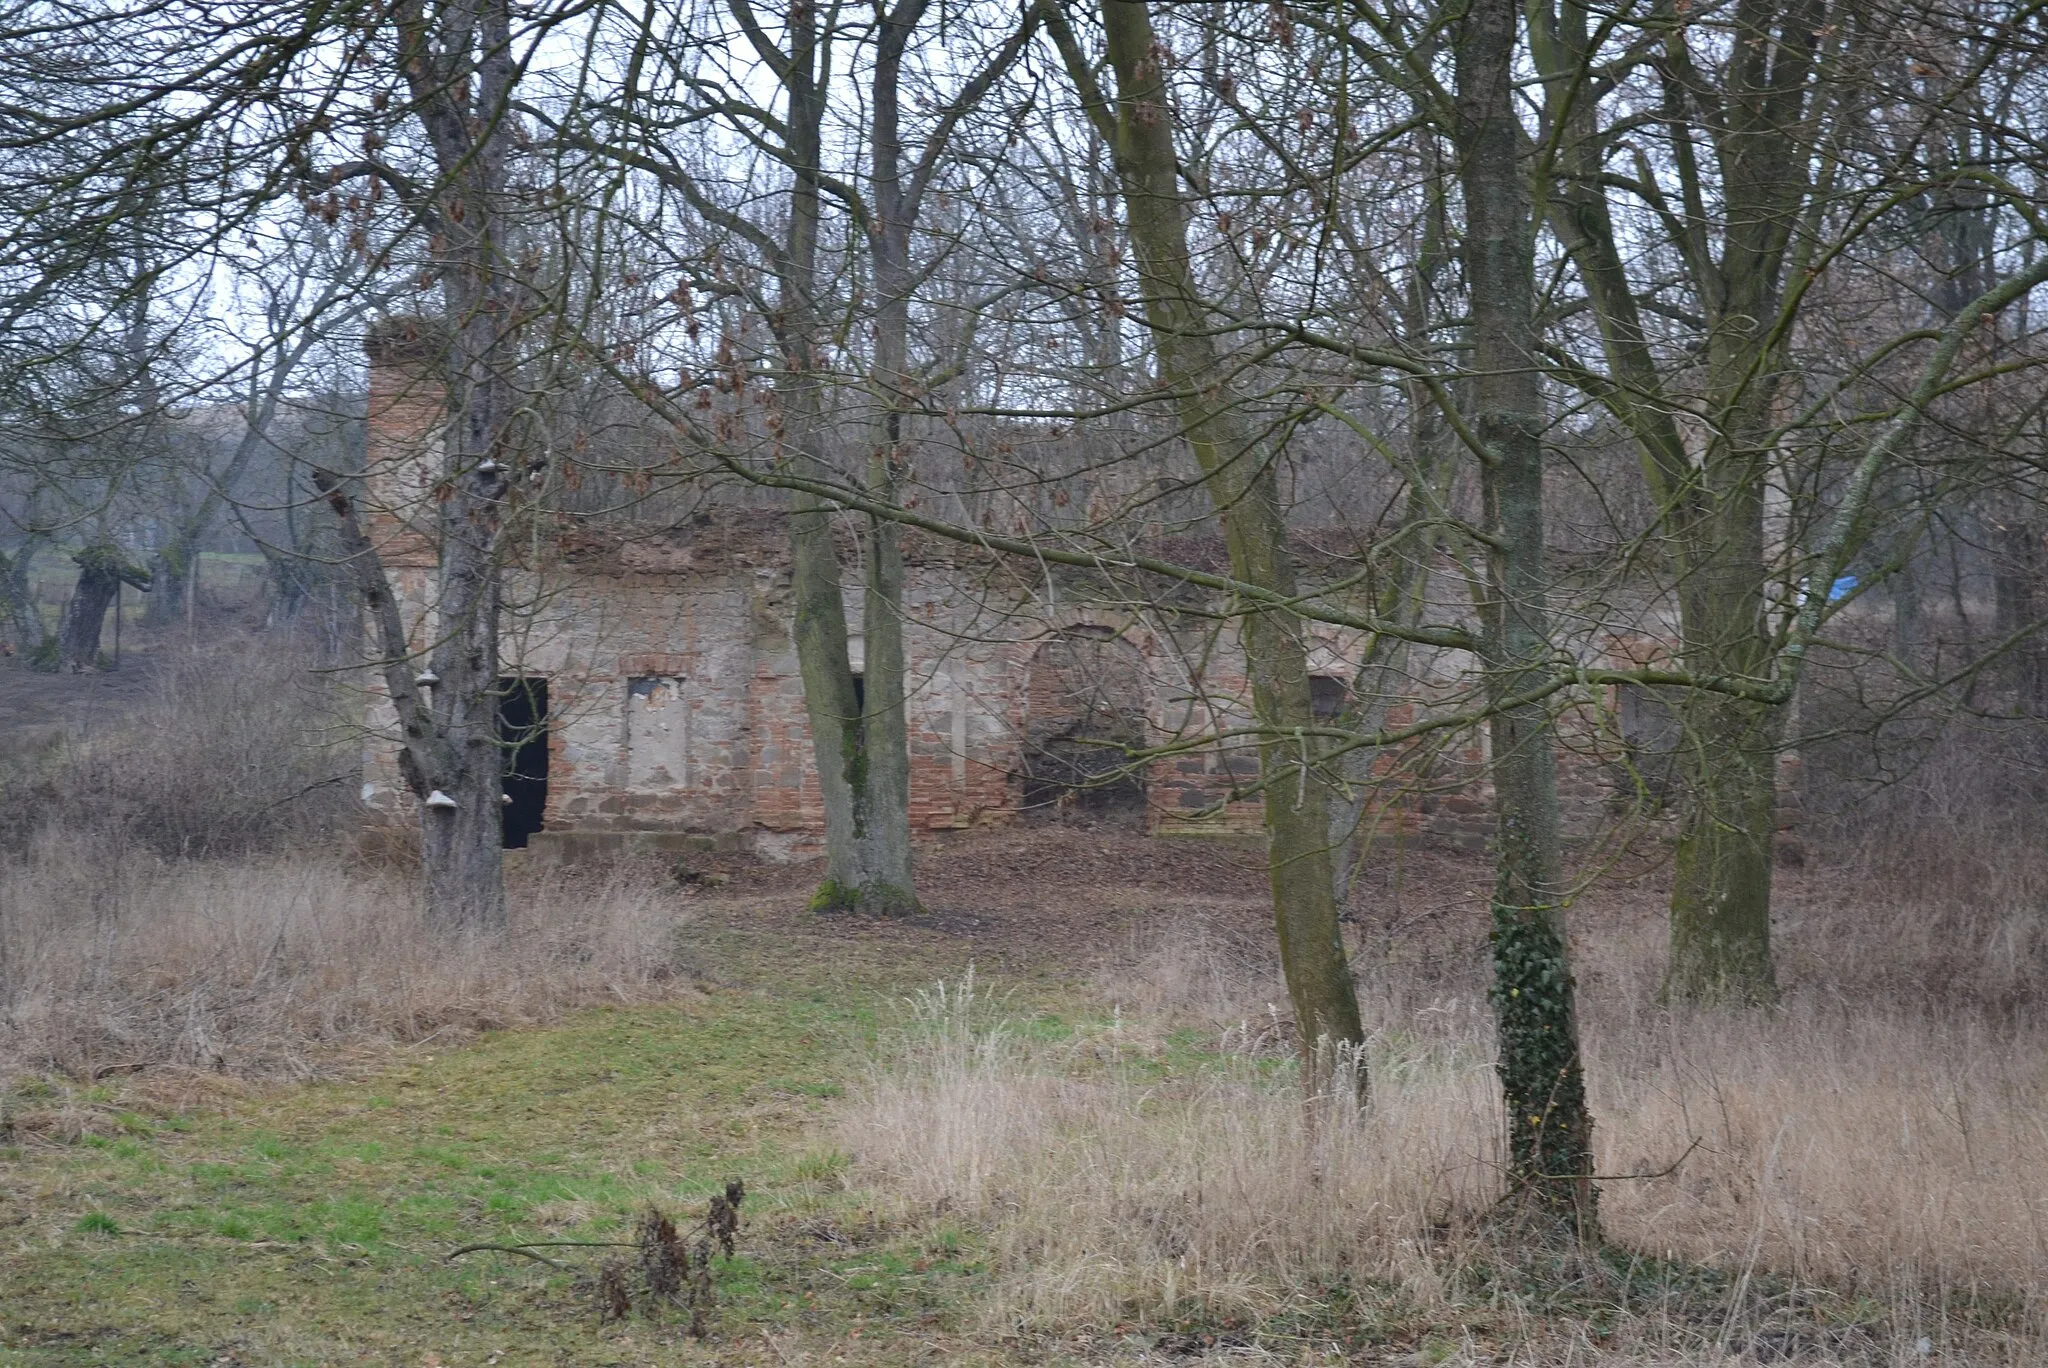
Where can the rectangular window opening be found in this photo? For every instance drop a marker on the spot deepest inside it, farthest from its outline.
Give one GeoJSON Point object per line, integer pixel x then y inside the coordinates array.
{"type": "Point", "coordinates": [1328, 697]}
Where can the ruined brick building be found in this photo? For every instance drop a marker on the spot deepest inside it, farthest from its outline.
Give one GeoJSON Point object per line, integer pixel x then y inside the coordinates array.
{"type": "Point", "coordinates": [652, 695]}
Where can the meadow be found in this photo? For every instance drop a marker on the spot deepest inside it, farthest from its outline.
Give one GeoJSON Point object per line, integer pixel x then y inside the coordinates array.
{"type": "Point", "coordinates": [250, 1105]}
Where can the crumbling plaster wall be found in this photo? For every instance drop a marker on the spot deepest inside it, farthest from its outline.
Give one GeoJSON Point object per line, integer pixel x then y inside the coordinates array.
{"type": "Point", "coordinates": [676, 704]}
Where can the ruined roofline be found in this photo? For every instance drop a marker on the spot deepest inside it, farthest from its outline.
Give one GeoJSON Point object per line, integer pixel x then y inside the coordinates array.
{"type": "Point", "coordinates": [403, 339]}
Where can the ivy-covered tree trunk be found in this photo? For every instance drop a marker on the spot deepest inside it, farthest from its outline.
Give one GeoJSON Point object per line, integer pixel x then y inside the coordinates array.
{"type": "Point", "coordinates": [1239, 474]}
{"type": "Point", "coordinates": [102, 569]}
{"type": "Point", "coordinates": [1550, 1129]}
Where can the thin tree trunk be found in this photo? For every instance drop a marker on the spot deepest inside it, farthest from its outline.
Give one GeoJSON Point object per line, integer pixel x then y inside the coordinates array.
{"type": "Point", "coordinates": [1382, 675]}
{"type": "Point", "coordinates": [1909, 584]}
{"type": "Point", "coordinates": [2017, 602]}
{"type": "Point", "coordinates": [1239, 474]}
{"type": "Point", "coordinates": [21, 621]}
{"type": "Point", "coordinates": [1550, 1128]}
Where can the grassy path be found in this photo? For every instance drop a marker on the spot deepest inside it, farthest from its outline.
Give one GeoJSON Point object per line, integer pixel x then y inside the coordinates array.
{"type": "Point", "coordinates": [308, 1225]}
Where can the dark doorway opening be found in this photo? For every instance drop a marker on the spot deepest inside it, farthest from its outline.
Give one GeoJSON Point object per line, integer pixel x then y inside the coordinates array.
{"type": "Point", "coordinates": [1085, 711]}
{"type": "Point", "coordinates": [523, 732]}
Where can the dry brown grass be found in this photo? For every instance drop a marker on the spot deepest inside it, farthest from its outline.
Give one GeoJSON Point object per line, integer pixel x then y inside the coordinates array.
{"type": "Point", "coordinates": [1864, 1173]}
{"type": "Point", "coordinates": [1890, 1149]}
{"type": "Point", "coordinates": [1111, 1195]}
{"type": "Point", "coordinates": [235, 748]}
{"type": "Point", "coordinates": [262, 964]}
{"type": "Point", "coordinates": [179, 891]}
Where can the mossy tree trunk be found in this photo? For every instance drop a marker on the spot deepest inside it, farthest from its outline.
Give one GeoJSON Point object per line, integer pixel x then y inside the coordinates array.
{"type": "Point", "coordinates": [169, 570]}
{"type": "Point", "coordinates": [862, 759]}
{"type": "Point", "coordinates": [859, 733]}
{"type": "Point", "coordinates": [1243, 485]}
{"type": "Point", "coordinates": [1753, 126]}
{"type": "Point", "coordinates": [21, 620]}
{"type": "Point", "coordinates": [102, 569]}
{"type": "Point", "coordinates": [1550, 1129]}
{"type": "Point", "coordinates": [1721, 875]}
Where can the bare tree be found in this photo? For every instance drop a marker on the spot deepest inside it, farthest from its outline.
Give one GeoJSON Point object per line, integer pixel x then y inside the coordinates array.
{"type": "Point", "coordinates": [1240, 474]}
{"type": "Point", "coordinates": [1734, 142]}
{"type": "Point", "coordinates": [458, 71]}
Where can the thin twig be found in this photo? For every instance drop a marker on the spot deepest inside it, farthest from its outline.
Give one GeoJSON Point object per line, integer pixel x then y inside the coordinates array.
{"type": "Point", "coordinates": [507, 1249]}
{"type": "Point", "coordinates": [527, 1249]}
{"type": "Point", "coordinates": [1637, 1177]}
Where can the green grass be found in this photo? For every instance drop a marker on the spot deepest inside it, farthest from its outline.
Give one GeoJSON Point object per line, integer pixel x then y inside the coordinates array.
{"type": "Point", "coordinates": [309, 1226]}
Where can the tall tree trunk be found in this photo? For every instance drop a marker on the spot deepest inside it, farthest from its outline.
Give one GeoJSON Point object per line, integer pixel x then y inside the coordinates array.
{"type": "Point", "coordinates": [864, 785]}
{"type": "Point", "coordinates": [1239, 474]}
{"type": "Point", "coordinates": [1757, 125]}
{"type": "Point", "coordinates": [462, 95]}
{"type": "Point", "coordinates": [1721, 875]}
{"type": "Point", "coordinates": [1550, 1129]}
{"type": "Point", "coordinates": [168, 572]}
{"type": "Point", "coordinates": [2017, 603]}
{"type": "Point", "coordinates": [102, 569]}
{"type": "Point", "coordinates": [858, 726]}
{"type": "Point", "coordinates": [1721, 882]}
{"type": "Point", "coordinates": [459, 67]}
{"type": "Point", "coordinates": [1911, 548]}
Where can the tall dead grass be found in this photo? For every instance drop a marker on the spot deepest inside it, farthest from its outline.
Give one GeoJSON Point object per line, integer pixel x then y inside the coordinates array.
{"type": "Point", "coordinates": [233, 748]}
{"type": "Point", "coordinates": [1112, 1195]}
{"type": "Point", "coordinates": [179, 890]}
{"type": "Point", "coordinates": [263, 964]}
{"type": "Point", "coordinates": [1890, 1149]}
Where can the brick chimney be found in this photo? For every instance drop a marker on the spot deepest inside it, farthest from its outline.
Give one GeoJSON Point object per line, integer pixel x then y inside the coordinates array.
{"type": "Point", "coordinates": [407, 425]}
